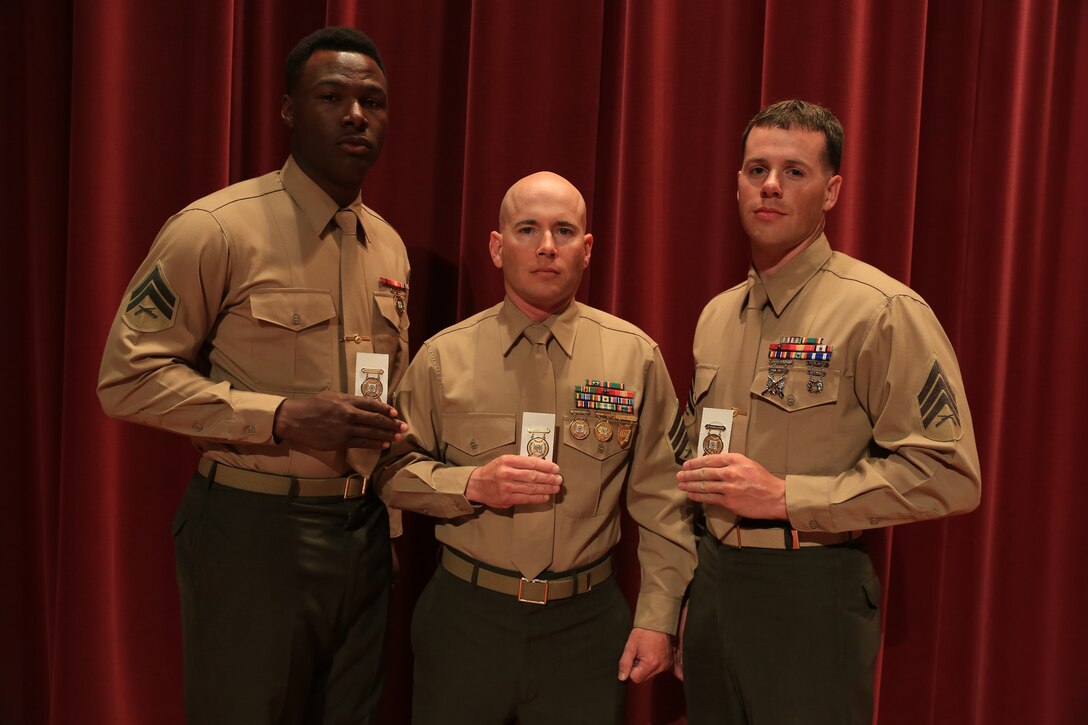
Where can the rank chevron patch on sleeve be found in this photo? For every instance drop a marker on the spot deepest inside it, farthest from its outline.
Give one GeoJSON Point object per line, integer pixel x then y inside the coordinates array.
{"type": "Point", "coordinates": [152, 305]}
{"type": "Point", "coordinates": [678, 436]}
{"type": "Point", "coordinates": [937, 408]}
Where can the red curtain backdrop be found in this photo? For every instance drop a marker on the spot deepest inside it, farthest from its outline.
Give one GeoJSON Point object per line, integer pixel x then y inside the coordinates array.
{"type": "Point", "coordinates": [964, 177]}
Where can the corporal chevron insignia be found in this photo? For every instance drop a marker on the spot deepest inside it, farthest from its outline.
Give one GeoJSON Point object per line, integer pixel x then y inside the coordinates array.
{"type": "Point", "coordinates": [152, 305]}
{"type": "Point", "coordinates": [937, 407]}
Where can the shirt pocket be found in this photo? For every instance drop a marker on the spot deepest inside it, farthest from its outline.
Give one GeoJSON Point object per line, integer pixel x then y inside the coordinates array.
{"type": "Point", "coordinates": [292, 350]}
{"type": "Point", "coordinates": [801, 393]}
{"type": "Point", "coordinates": [473, 439]}
{"type": "Point", "coordinates": [587, 463]}
{"type": "Point", "coordinates": [390, 321]}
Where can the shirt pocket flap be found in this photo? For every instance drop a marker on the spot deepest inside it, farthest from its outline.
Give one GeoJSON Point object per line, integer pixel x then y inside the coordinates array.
{"type": "Point", "coordinates": [293, 309]}
{"type": "Point", "coordinates": [701, 382]}
{"type": "Point", "coordinates": [474, 434]}
{"type": "Point", "coordinates": [388, 305]}
{"type": "Point", "coordinates": [800, 391]}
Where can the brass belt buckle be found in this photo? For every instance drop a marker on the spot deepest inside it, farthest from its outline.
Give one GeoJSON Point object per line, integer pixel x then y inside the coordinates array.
{"type": "Point", "coordinates": [354, 486]}
{"type": "Point", "coordinates": [522, 597]}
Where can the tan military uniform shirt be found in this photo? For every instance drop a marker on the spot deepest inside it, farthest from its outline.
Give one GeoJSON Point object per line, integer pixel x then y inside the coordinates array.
{"type": "Point", "coordinates": [887, 438]}
{"type": "Point", "coordinates": [238, 306]}
{"type": "Point", "coordinates": [461, 399]}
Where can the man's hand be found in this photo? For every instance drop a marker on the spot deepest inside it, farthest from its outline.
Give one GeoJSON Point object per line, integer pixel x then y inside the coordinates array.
{"type": "Point", "coordinates": [332, 421]}
{"type": "Point", "coordinates": [512, 480]}
{"type": "Point", "coordinates": [736, 482]}
{"type": "Point", "coordinates": [647, 653]}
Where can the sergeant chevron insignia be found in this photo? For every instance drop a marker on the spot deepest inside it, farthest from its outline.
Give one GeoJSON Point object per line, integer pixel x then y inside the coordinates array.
{"type": "Point", "coordinates": [152, 306]}
{"type": "Point", "coordinates": [937, 408]}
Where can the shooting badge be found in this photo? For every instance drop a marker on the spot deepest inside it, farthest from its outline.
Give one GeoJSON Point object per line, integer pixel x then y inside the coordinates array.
{"type": "Point", "coordinates": [579, 425]}
{"type": "Point", "coordinates": [715, 430]}
{"type": "Point", "coordinates": [537, 447]}
{"type": "Point", "coordinates": [813, 350]}
{"type": "Point", "coordinates": [372, 375]}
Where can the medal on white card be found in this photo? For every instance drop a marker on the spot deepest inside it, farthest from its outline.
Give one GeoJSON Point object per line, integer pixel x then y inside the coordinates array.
{"type": "Point", "coordinates": [372, 375]}
{"type": "Point", "coordinates": [715, 430]}
{"type": "Point", "coordinates": [537, 436]}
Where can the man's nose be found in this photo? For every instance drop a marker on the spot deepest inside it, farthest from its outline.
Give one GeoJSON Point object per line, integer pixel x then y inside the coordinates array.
{"type": "Point", "coordinates": [771, 188]}
{"type": "Point", "coordinates": [355, 115]}
{"type": "Point", "coordinates": [547, 245]}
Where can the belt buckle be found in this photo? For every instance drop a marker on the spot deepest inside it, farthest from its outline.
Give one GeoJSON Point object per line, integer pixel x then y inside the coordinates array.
{"type": "Point", "coordinates": [354, 486]}
{"type": "Point", "coordinates": [522, 597]}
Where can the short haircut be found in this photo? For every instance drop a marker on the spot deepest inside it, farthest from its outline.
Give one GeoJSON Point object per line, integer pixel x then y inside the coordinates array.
{"type": "Point", "coordinates": [336, 37]}
{"type": "Point", "coordinates": [802, 115]}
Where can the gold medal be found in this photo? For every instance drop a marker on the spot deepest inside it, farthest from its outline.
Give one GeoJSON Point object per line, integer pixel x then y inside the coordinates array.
{"type": "Point", "coordinates": [713, 442]}
{"type": "Point", "coordinates": [603, 429]}
{"type": "Point", "coordinates": [537, 445]}
{"type": "Point", "coordinates": [371, 387]}
{"type": "Point", "coordinates": [579, 426]}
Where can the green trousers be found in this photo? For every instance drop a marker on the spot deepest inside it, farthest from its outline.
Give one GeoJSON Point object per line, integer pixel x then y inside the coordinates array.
{"type": "Point", "coordinates": [284, 604]}
{"type": "Point", "coordinates": [776, 637]}
{"type": "Point", "coordinates": [483, 658]}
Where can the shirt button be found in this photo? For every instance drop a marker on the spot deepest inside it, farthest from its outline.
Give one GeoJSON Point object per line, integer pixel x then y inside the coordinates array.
{"type": "Point", "coordinates": [874, 521]}
{"type": "Point", "coordinates": [600, 447]}
{"type": "Point", "coordinates": [295, 319]}
{"type": "Point", "coordinates": [814, 524]}
{"type": "Point", "coordinates": [198, 427]}
{"type": "Point", "coordinates": [473, 444]}
{"type": "Point", "coordinates": [790, 401]}
{"type": "Point", "coordinates": [250, 430]}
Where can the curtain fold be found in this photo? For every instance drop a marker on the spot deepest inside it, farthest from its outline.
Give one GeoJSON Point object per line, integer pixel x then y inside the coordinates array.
{"type": "Point", "coordinates": [963, 165]}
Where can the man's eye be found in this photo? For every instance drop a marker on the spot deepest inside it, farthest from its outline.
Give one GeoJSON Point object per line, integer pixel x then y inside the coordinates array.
{"type": "Point", "coordinates": [328, 98]}
{"type": "Point", "coordinates": [796, 173]}
{"type": "Point", "coordinates": [757, 171]}
{"type": "Point", "coordinates": [563, 232]}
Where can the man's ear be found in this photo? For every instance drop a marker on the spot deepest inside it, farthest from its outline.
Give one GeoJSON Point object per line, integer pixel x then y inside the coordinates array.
{"type": "Point", "coordinates": [834, 184]}
{"type": "Point", "coordinates": [589, 250]}
{"type": "Point", "coordinates": [495, 247]}
{"type": "Point", "coordinates": [287, 112]}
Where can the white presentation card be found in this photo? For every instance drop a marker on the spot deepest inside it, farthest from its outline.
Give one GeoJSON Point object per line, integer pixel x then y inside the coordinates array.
{"type": "Point", "coordinates": [537, 438]}
{"type": "Point", "coordinates": [715, 429]}
{"type": "Point", "coordinates": [372, 375]}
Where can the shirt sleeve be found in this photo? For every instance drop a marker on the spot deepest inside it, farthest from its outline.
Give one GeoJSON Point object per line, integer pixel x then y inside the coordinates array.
{"type": "Point", "coordinates": [666, 546]}
{"type": "Point", "coordinates": [923, 464]}
{"type": "Point", "coordinates": [414, 476]}
{"type": "Point", "coordinates": [154, 371]}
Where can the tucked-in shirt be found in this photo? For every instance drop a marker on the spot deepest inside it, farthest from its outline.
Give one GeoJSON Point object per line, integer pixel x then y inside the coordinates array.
{"type": "Point", "coordinates": [881, 435]}
{"type": "Point", "coordinates": [238, 307]}
{"type": "Point", "coordinates": [461, 398]}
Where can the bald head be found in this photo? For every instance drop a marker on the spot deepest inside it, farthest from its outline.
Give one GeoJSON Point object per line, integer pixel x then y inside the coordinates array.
{"type": "Point", "coordinates": [541, 245]}
{"type": "Point", "coordinates": [541, 185]}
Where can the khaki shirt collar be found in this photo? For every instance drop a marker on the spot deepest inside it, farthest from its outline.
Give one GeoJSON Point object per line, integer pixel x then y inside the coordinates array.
{"type": "Point", "coordinates": [512, 323]}
{"type": "Point", "coordinates": [317, 206]}
{"type": "Point", "coordinates": [792, 278]}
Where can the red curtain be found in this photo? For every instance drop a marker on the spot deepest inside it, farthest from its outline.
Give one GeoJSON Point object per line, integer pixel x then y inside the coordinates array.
{"type": "Point", "coordinates": [964, 170]}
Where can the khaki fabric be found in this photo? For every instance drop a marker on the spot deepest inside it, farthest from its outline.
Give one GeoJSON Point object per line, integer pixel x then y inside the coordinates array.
{"type": "Point", "coordinates": [461, 398]}
{"type": "Point", "coordinates": [237, 307]}
{"type": "Point", "coordinates": [888, 439]}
